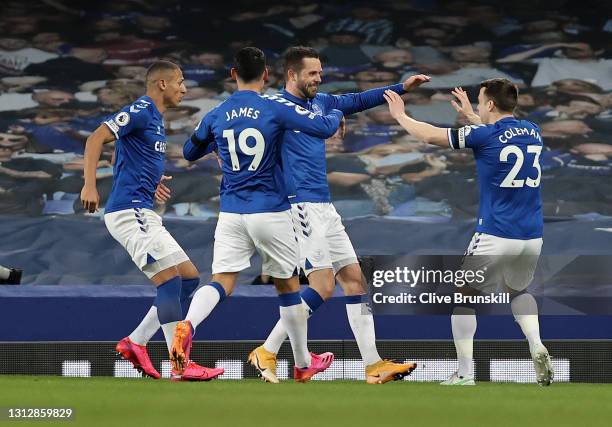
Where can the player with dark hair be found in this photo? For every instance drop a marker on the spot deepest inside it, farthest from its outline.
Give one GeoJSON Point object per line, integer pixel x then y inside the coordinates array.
{"type": "Point", "coordinates": [247, 131]}
{"type": "Point", "coordinates": [138, 130]}
{"type": "Point", "coordinates": [326, 252]}
{"type": "Point", "coordinates": [508, 238]}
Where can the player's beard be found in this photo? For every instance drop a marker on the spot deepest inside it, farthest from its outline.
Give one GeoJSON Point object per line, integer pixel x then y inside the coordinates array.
{"type": "Point", "coordinates": [309, 90]}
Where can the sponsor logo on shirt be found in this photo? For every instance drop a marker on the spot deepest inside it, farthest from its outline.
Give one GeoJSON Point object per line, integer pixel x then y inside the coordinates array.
{"type": "Point", "coordinates": [160, 146]}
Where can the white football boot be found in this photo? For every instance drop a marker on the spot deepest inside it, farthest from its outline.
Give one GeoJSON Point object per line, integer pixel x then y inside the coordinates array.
{"type": "Point", "coordinates": [455, 379]}
{"type": "Point", "coordinates": [543, 366]}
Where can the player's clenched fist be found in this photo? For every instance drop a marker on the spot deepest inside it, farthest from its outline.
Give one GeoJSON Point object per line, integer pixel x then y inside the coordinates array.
{"type": "Point", "coordinates": [396, 104]}
{"type": "Point", "coordinates": [90, 199]}
{"type": "Point", "coordinates": [163, 193]}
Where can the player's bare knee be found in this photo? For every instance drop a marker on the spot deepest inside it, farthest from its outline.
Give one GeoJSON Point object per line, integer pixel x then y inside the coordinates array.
{"type": "Point", "coordinates": [188, 270]}
{"type": "Point", "coordinates": [323, 282]}
{"type": "Point", "coordinates": [165, 275]}
{"type": "Point", "coordinates": [513, 293]}
{"type": "Point", "coordinates": [227, 281]}
{"type": "Point", "coordinates": [284, 286]}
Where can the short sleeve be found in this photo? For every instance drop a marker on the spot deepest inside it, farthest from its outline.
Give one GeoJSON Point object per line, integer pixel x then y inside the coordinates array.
{"type": "Point", "coordinates": [471, 136]}
{"type": "Point", "coordinates": [128, 120]}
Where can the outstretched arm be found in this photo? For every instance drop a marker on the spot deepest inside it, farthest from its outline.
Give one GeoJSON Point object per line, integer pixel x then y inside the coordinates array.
{"type": "Point", "coordinates": [351, 103]}
{"type": "Point", "coordinates": [421, 130]}
{"type": "Point", "coordinates": [298, 118]}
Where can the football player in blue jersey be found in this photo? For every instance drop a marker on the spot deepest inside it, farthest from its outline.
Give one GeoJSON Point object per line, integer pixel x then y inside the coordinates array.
{"type": "Point", "coordinates": [140, 146]}
{"type": "Point", "coordinates": [247, 131]}
{"type": "Point", "coordinates": [326, 252]}
{"type": "Point", "coordinates": [508, 236]}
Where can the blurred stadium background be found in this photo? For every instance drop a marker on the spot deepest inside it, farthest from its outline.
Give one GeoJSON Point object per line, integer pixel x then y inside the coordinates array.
{"type": "Point", "coordinates": [65, 66]}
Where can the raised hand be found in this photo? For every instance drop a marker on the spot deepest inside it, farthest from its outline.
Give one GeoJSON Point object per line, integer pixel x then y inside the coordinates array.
{"type": "Point", "coordinates": [415, 81]}
{"type": "Point", "coordinates": [465, 106]}
{"type": "Point", "coordinates": [396, 104]}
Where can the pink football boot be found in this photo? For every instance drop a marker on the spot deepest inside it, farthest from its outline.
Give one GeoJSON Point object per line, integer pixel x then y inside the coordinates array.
{"type": "Point", "coordinates": [137, 354]}
{"type": "Point", "coordinates": [318, 363]}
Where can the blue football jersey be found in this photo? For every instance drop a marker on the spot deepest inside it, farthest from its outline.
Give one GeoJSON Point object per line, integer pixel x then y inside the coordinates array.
{"type": "Point", "coordinates": [139, 155]}
{"type": "Point", "coordinates": [508, 164]}
{"type": "Point", "coordinates": [248, 130]}
{"type": "Point", "coordinates": [304, 155]}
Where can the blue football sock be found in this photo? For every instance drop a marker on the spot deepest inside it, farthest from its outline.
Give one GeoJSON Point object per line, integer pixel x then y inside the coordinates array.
{"type": "Point", "coordinates": [187, 289]}
{"type": "Point", "coordinates": [355, 299]}
{"type": "Point", "coordinates": [168, 301]}
{"type": "Point", "coordinates": [312, 299]}
{"type": "Point", "coordinates": [292, 298]}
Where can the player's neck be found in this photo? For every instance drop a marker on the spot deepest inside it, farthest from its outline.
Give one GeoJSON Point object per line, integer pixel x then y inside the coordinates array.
{"type": "Point", "coordinates": [255, 87]}
{"type": "Point", "coordinates": [495, 117]}
{"type": "Point", "coordinates": [158, 100]}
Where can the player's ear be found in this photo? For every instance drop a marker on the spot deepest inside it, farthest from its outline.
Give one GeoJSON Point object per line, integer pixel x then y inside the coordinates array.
{"type": "Point", "coordinates": [266, 74]}
{"type": "Point", "coordinates": [292, 74]}
{"type": "Point", "coordinates": [233, 74]}
{"type": "Point", "coordinates": [162, 84]}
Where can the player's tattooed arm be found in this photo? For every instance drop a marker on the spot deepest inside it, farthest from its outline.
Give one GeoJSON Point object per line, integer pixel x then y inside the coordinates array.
{"type": "Point", "coordinates": [421, 130]}
{"type": "Point", "coordinates": [465, 106]}
{"type": "Point", "coordinates": [93, 149]}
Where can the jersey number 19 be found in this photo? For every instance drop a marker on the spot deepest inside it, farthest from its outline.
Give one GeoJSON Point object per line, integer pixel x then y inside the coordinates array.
{"type": "Point", "coordinates": [257, 150]}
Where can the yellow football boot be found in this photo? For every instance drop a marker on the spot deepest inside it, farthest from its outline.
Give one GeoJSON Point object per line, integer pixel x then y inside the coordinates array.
{"type": "Point", "coordinates": [386, 370]}
{"type": "Point", "coordinates": [265, 363]}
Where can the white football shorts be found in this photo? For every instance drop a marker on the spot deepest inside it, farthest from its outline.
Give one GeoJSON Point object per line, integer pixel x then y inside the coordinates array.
{"type": "Point", "coordinates": [271, 234]}
{"type": "Point", "coordinates": [322, 238]}
{"type": "Point", "coordinates": [141, 233]}
{"type": "Point", "coordinates": [507, 261]}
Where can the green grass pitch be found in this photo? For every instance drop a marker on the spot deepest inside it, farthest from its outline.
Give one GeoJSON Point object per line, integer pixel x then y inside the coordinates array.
{"type": "Point", "coordinates": [105, 401]}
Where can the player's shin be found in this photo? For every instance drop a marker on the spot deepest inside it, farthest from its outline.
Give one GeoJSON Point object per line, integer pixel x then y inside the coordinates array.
{"type": "Point", "coordinates": [169, 307]}
{"type": "Point", "coordinates": [147, 327]}
{"type": "Point", "coordinates": [362, 324]}
{"type": "Point", "coordinates": [203, 302]}
{"type": "Point", "coordinates": [525, 310]}
{"type": "Point", "coordinates": [150, 323]}
{"type": "Point", "coordinates": [463, 322]}
{"type": "Point", "coordinates": [187, 289]}
{"type": "Point", "coordinates": [311, 301]}
{"type": "Point", "coordinates": [294, 319]}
